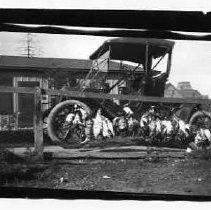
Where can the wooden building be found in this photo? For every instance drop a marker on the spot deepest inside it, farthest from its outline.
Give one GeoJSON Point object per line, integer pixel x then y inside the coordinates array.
{"type": "Point", "coordinates": [183, 90]}
{"type": "Point", "coordinates": [172, 92]}
{"type": "Point", "coordinates": [16, 110]}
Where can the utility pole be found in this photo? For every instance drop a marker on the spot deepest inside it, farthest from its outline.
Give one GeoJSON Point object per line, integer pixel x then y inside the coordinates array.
{"type": "Point", "coordinates": [29, 46]}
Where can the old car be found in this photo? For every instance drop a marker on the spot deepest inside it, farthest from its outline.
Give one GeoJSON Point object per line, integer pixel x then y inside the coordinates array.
{"type": "Point", "coordinates": [142, 78]}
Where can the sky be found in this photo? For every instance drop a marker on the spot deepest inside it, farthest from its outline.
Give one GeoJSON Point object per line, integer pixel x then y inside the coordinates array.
{"type": "Point", "coordinates": [191, 60]}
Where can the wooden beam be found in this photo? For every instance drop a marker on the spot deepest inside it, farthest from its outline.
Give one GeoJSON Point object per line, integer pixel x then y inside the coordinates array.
{"type": "Point", "coordinates": [38, 125]}
{"type": "Point", "coordinates": [7, 89]}
{"type": "Point", "coordinates": [169, 63]}
{"type": "Point", "coordinates": [78, 94]}
{"type": "Point", "coordinates": [119, 152]}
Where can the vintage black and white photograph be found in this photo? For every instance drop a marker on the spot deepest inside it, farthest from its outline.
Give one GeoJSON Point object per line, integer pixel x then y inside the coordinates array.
{"type": "Point", "coordinates": [94, 101]}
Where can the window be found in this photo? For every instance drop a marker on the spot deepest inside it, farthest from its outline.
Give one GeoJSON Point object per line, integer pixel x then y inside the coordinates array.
{"type": "Point", "coordinates": [6, 99]}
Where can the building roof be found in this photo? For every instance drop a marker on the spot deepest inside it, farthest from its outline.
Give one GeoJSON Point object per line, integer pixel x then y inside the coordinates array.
{"type": "Point", "coordinates": [169, 85]}
{"type": "Point", "coordinates": [35, 62]}
{"type": "Point", "coordinates": [20, 62]}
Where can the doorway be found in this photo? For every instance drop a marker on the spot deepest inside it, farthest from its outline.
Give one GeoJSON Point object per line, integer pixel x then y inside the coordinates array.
{"type": "Point", "coordinates": [26, 105]}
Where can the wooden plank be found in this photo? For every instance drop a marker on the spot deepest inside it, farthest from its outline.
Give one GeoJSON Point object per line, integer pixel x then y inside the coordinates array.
{"type": "Point", "coordinates": [135, 148]}
{"type": "Point", "coordinates": [127, 97]}
{"type": "Point", "coordinates": [79, 94]}
{"type": "Point", "coordinates": [7, 89]}
{"type": "Point", "coordinates": [38, 125]}
{"type": "Point", "coordinates": [125, 152]}
{"type": "Point", "coordinates": [115, 155]}
{"type": "Point", "coordinates": [111, 152]}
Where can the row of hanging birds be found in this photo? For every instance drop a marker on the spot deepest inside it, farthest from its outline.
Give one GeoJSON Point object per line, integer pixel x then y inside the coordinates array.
{"type": "Point", "coordinates": [150, 128]}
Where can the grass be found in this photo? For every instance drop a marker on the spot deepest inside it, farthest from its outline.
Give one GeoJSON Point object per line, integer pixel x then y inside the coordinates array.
{"type": "Point", "coordinates": [15, 168]}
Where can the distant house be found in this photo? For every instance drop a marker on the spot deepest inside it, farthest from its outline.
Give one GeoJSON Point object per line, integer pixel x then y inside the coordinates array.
{"type": "Point", "coordinates": [172, 92]}
{"type": "Point", "coordinates": [183, 90]}
{"type": "Point", "coordinates": [184, 86]}
{"type": "Point", "coordinates": [186, 90]}
{"type": "Point", "coordinates": [191, 94]}
{"type": "Point", "coordinates": [46, 73]}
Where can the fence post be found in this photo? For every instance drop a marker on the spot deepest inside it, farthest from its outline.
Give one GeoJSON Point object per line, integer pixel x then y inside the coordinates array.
{"type": "Point", "coordinates": [38, 124]}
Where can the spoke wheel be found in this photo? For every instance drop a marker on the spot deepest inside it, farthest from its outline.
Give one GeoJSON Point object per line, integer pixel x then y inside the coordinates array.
{"type": "Point", "coordinates": [200, 119]}
{"type": "Point", "coordinates": [58, 128]}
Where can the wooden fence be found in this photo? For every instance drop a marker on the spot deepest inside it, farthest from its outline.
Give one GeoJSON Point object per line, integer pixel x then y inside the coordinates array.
{"type": "Point", "coordinates": [38, 92]}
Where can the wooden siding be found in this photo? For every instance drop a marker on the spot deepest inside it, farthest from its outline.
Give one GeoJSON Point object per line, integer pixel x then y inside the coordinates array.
{"type": "Point", "coordinates": [172, 92]}
{"type": "Point", "coordinates": [42, 82]}
{"type": "Point", "coordinates": [9, 121]}
{"type": "Point", "coordinates": [60, 77]}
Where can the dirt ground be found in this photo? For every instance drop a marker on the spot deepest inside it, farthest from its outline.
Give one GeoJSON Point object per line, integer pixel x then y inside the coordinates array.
{"type": "Point", "coordinates": [171, 176]}
{"type": "Point", "coordinates": [187, 175]}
